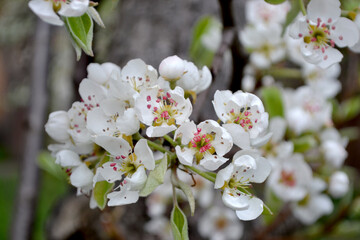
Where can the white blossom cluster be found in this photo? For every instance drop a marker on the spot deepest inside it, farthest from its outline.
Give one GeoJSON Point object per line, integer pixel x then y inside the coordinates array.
{"type": "Point", "coordinates": [100, 138]}
{"type": "Point", "coordinates": [304, 177]}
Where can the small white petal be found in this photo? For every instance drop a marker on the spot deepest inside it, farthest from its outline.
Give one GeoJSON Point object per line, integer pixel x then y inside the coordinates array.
{"type": "Point", "coordinates": [45, 11]}
{"type": "Point", "coordinates": [234, 201]}
{"type": "Point", "coordinates": [144, 153]}
{"type": "Point", "coordinates": [323, 9]}
{"type": "Point", "coordinates": [67, 158]}
{"type": "Point", "coordinates": [115, 146]}
{"type": "Point", "coordinates": [256, 207]}
{"type": "Point", "coordinates": [223, 176]}
{"type": "Point", "coordinates": [346, 33]}
{"type": "Point", "coordinates": [81, 176]}
{"type": "Point", "coordinates": [185, 155]}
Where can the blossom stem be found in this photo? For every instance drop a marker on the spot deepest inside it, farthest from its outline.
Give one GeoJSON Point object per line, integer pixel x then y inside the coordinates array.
{"type": "Point", "coordinates": [170, 140]}
{"type": "Point", "coordinates": [302, 7]}
{"type": "Point", "coordinates": [201, 173]}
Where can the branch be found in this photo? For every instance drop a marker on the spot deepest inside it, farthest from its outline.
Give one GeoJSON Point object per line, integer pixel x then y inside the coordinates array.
{"type": "Point", "coordinates": [28, 189]}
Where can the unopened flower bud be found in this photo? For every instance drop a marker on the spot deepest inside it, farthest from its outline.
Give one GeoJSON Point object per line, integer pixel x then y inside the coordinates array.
{"type": "Point", "coordinates": [339, 184]}
{"type": "Point", "coordinates": [57, 126]}
{"type": "Point", "coordinates": [172, 68]}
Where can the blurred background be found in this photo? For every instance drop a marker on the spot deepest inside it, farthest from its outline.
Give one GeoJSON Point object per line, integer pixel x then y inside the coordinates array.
{"type": "Point", "coordinates": [39, 74]}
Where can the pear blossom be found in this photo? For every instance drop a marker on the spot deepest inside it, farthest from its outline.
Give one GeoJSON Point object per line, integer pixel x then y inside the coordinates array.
{"type": "Point", "coordinates": [333, 147]}
{"type": "Point", "coordinates": [125, 162]}
{"type": "Point", "coordinates": [112, 119]}
{"type": "Point", "coordinates": [243, 116]}
{"type": "Point", "coordinates": [211, 39]}
{"type": "Point", "coordinates": [194, 79]}
{"type": "Point", "coordinates": [247, 166]}
{"type": "Point", "coordinates": [103, 73]}
{"type": "Point", "coordinates": [259, 12]}
{"type": "Point", "coordinates": [80, 175]}
{"type": "Point", "coordinates": [220, 224]}
{"type": "Point", "coordinates": [57, 126]}
{"type": "Point", "coordinates": [305, 110]}
{"type": "Point", "coordinates": [321, 29]}
{"type": "Point", "coordinates": [51, 10]}
{"type": "Point", "coordinates": [314, 205]}
{"type": "Point", "coordinates": [289, 178]}
{"type": "Point", "coordinates": [139, 75]}
{"type": "Point", "coordinates": [323, 81]}
{"type": "Point", "coordinates": [172, 68]}
{"type": "Point", "coordinates": [206, 144]}
{"type": "Point", "coordinates": [265, 44]}
{"type": "Point", "coordinates": [162, 110]}
{"type": "Point", "coordinates": [338, 184]}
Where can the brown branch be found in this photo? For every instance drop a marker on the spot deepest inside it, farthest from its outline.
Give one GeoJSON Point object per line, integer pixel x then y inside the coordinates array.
{"type": "Point", "coordinates": [28, 190]}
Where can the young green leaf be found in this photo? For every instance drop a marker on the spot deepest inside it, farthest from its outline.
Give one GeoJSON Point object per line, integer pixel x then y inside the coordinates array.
{"type": "Point", "coordinates": [95, 16]}
{"type": "Point", "coordinates": [81, 31]}
{"type": "Point", "coordinates": [199, 52]}
{"type": "Point", "coordinates": [101, 190]}
{"type": "Point", "coordinates": [47, 163]}
{"type": "Point", "coordinates": [275, 1]}
{"type": "Point", "coordinates": [155, 178]}
{"type": "Point", "coordinates": [188, 193]}
{"type": "Point", "coordinates": [294, 11]}
{"type": "Point", "coordinates": [304, 143]}
{"type": "Point", "coordinates": [179, 225]}
{"type": "Point", "coordinates": [273, 101]}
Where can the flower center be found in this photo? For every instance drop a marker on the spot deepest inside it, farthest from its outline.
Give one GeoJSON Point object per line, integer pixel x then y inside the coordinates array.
{"type": "Point", "coordinates": [245, 118]}
{"type": "Point", "coordinates": [166, 110]}
{"type": "Point", "coordinates": [287, 178]}
{"type": "Point", "coordinates": [130, 165]}
{"type": "Point", "coordinates": [221, 223]}
{"type": "Point", "coordinates": [202, 144]}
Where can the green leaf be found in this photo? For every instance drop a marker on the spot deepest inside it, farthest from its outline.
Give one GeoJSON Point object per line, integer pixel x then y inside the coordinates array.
{"type": "Point", "coordinates": [347, 110]}
{"type": "Point", "coordinates": [47, 163]}
{"type": "Point", "coordinates": [275, 1]}
{"type": "Point", "coordinates": [155, 178]}
{"type": "Point", "coordinates": [273, 101]}
{"type": "Point", "coordinates": [304, 143]}
{"type": "Point", "coordinates": [101, 190]}
{"type": "Point", "coordinates": [188, 193]}
{"type": "Point", "coordinates": [81, 32]}
{"type": "Point", "coordinates": [179, 225]}
{"type": "Point", "coordinates": [95, 16]}
{"type": "Point", "coordinates": [294, 11]}
{"type": "Point", "coordinates": [199, 53]}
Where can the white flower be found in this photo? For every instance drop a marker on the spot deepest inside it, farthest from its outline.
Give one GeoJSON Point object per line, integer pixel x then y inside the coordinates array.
{"type": "Point", "coordinates": [265, 44]}
{"type": "Point", "coordinates": [103, 73]}
{"type": "Point", "coordinates": [314, 205]}
{"type": "Point", "coordinates": [172, 68]}
{"type": "Point", "coordinates": [321, 29]}
{"type": "Point", "coordinates": [356, 47]}
{"type": "Point", "coordinates": [289, 179]}
{"type": "Point", "coordinates": [220, 224]}
{"type": "Point", "coordinates": [57, 126]}
{"type": "Point", "coordinates": [247, 166]}
{"type": "Point", "coordinates": [201, 143]}
{"type": "Point", "coordinates": [161, 110]}
{"type": "Point", "coordinates": [258, 12]}
{"type": "Point", "coordinates": [194, 79]}
{"type": "Point", "coordinates": [80, 175]}
{"type": "Point", "coordinates": [323, 81]}
{"type": "Point", "coordinates": [306, 110]}
{"type": "Point", "coordinates": [211, 39]}
{"type": "Point", "coordinates": [333, 147]}
{"type": "Point", "coordinates": [243, 116]}
{"type": "Point", "coordinates": [338, 184]}
{"type": "Point", "coordinates": [139, 75]}
{"type": "Point", "coordinates": [112, 119]}
{"type": "Point", "coordinates": [49, 10]}
{"type": "Point", "coordinates": [132, 165]}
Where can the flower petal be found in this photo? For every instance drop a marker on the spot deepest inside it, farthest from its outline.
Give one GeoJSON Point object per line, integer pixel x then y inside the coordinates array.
{"type": "Point", "coordinates": [144, 154]}
{"type": "Point", "coordinates": [255, 208]}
